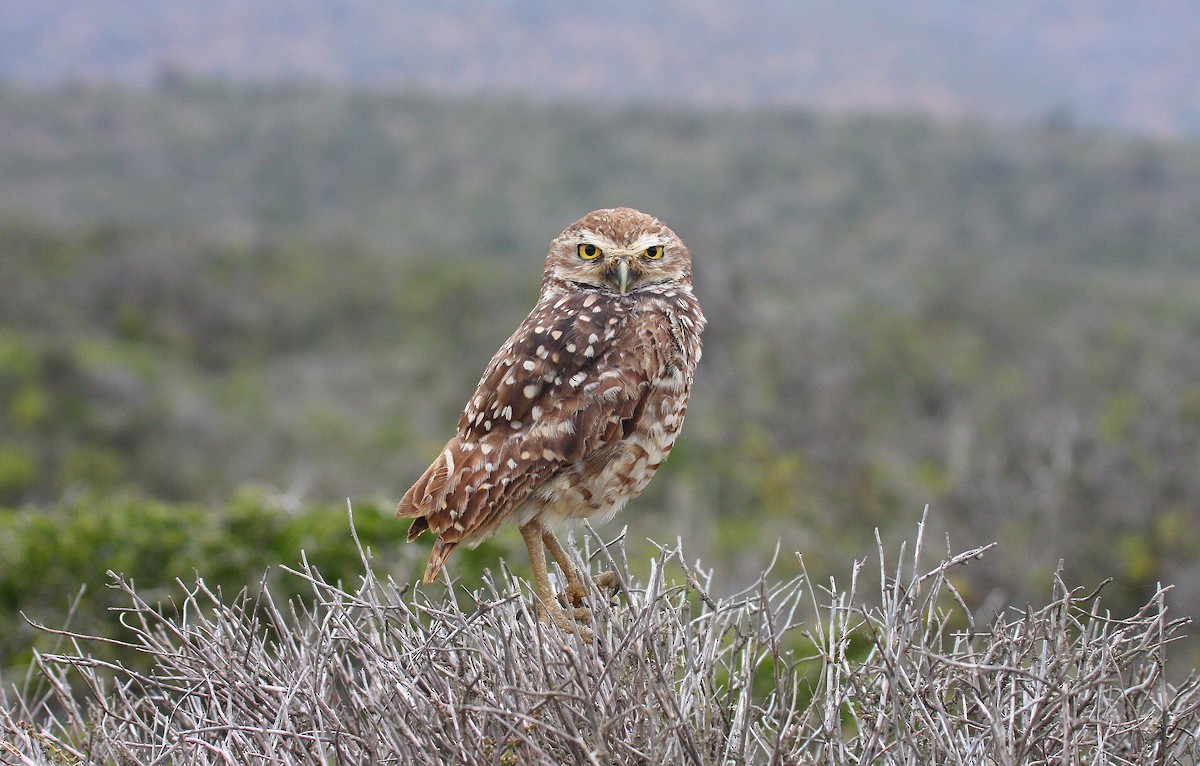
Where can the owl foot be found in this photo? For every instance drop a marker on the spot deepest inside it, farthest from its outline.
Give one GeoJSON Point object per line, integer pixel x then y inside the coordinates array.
{"type": "Point", "coordinates": [570, 620]}
{"type": "Point", "coordinates": [576, 593]}
{"type": "Point", "coordinates": [608, 581]}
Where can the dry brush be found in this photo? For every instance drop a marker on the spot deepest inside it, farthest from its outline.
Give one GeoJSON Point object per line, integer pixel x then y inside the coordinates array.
{"type": "Point", "coordinates": [780, 673]}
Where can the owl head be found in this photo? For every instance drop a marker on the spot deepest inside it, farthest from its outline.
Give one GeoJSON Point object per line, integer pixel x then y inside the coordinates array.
{"type": "Point", "coordinates": [618, 250]}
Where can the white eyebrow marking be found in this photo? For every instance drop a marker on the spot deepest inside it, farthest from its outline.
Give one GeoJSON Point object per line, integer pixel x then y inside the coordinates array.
{"type": "Point", "coordinates": [591, 238]}
{"type": "Point", "coordinates": [645, 241]}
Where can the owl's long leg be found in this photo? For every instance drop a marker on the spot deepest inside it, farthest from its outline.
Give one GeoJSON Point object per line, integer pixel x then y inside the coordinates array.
{"type": "Point", "coordinates": [548, 606]}
{"type": "Point", "coordinates": [574, 591]}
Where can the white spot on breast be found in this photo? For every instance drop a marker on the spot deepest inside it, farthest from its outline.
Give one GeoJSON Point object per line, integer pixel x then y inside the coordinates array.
{"type": "Point", "coordinates": [511, 464]}
{"type": "Point", "coordinates": [578, 378]}
{"type": "Point", "coordinates": [506, 413]}
{"type": "Point", "coordinates": [530, 391]}
{"type": "Point", "coordinates": [590, 350]}
{"type": "Point", "coordinates": [556, 334]}
{"type": "Point", "coordinates": [529, 364]}
{"type": "Point", "coordinates": [588, 301]}
{"type": "Point", "coordinates": [593, 338]}
{"type": "Point", "coordinates": [570, 348]}
{"type": "Point", "coordinates": [485, 448]}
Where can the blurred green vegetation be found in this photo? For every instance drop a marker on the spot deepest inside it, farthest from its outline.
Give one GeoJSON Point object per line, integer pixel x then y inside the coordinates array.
{"type": "Point", "coordinates": [50, 554]}
{"type": "Point", "coordinates": [210, 286]}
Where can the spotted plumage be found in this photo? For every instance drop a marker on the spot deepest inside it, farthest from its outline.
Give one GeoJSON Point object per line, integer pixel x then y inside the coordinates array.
{"type": "Point", "coordinates": [581, 405]}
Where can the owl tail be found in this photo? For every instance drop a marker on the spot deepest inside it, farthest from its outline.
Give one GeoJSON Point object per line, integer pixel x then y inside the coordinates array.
{"type": "Point", "coordinates": [441, 548]}
{"type": "Point", "coordinates": [441, 552]}
{"type": "Point", "coordinates": [425, 499]}
{"type": "Point", "coordinates": [428, 495]}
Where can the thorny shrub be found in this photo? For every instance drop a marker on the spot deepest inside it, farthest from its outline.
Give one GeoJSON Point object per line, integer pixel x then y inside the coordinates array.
{"type": "Point", "coordinates": [782, 673]}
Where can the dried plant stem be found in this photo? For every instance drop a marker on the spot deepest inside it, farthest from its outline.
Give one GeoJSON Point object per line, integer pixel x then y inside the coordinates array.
{"type": "Point", "coordinates": [780, 673]}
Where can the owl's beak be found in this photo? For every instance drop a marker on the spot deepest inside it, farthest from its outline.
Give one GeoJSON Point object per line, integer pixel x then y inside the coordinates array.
{"type": "Point", "coordinates": [623, 275]}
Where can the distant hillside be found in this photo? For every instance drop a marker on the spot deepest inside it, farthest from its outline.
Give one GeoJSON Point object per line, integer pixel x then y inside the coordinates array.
{"type": "Point", "coordinates": [497, 176]}
{"type": "Point", "coordinates": [1128, 65]}
{"type": "Point", "coordinates": [210, 285]}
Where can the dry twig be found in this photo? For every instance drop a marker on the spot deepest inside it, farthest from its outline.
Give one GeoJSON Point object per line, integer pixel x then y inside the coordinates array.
{"type": "Point", "coordinates": [383, 674]}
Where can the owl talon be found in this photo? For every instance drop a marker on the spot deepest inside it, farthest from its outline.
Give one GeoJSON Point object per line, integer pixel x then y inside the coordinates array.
{"type": "Point", "coordinates": [571, 622]}
{"type": "Point", "coordinates": [574, 594]}
{"type": "Point", "coordinates": [608, 581]}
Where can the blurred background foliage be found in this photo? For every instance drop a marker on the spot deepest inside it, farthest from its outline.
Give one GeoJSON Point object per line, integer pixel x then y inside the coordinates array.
{"type": "Point", "coordinates": [225, 309]}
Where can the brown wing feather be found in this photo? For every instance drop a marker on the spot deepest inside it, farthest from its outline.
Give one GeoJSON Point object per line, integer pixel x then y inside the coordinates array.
{"type": "Point", "coordinates": [566, 384]}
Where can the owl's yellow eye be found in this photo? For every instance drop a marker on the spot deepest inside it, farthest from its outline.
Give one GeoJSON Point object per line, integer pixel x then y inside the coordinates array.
{"type": "Point", "coordinates": [589, 252]}
{"type": "Point", "coordinates": [654, 252]}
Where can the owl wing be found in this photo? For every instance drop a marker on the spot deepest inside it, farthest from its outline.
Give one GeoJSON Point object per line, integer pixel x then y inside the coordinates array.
{"type": "Point", "coordinates": [571, 380]}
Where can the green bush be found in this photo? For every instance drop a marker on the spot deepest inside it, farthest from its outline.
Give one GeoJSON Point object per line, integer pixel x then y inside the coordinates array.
{"type": "Point", "coordinates": [48, 554]}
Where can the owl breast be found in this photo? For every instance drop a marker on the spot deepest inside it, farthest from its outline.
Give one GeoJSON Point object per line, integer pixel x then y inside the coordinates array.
{"type": "Point", "coordinates": [661, 337]}
{"type": "Point", "coordinates": [601, 487]}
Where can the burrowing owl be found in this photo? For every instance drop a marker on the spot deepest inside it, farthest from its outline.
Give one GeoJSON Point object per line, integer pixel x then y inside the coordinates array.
{"type": "Point", "coordinates": [577, 409]}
